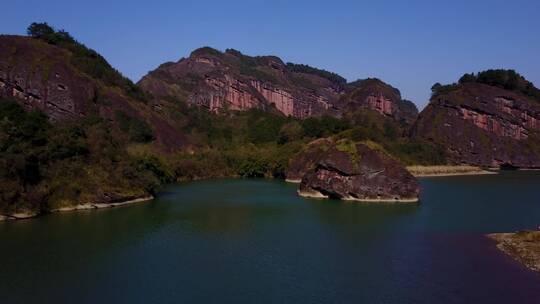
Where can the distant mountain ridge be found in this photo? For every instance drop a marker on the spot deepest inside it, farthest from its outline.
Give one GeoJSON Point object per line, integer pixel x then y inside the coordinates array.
{"type": "Point", "coordinates": [231, 80]}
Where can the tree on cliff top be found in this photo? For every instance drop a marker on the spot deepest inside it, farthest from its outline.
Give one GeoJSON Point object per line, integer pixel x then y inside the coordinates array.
{"type": "Point", "coordinates": [40, 30]}
{"type": "Point", "coordinates": [506, 79]}
{"type": "Point", "coordinates": [86, 59]}
{"type": "Point", "coordinates": [304, 68]}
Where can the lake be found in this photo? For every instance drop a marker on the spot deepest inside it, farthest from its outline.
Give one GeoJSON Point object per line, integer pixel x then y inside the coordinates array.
{"type": "Point", "coordinates": [256, 241]}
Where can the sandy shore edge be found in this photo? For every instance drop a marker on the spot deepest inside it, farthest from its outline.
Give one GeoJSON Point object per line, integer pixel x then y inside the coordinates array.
{"type": "Point", "coordinates": [436, 171]}
{"type": "Point", "coordinates": [94, 206]}
{"type": "Point", "coordinates": [79, 207]}
{"type": "Point", "coordinates": [293, 181]}
{"type": "Point", "coordinates": [318, 195]}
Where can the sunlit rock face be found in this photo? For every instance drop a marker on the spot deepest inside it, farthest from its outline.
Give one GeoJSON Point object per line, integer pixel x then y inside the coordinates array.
{"type": "Point", "coordinates": [233, 81]}
{"type": "Point", "coordinates": [484, 125]}
{"type": "Point", "coordinates": [230, 80]}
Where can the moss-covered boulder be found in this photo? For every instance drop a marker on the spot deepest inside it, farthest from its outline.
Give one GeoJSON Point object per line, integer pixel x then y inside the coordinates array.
{"type": "Point", "coordinates": [354, 171]}
{"type": "Point", "coordinates": [302, 162]}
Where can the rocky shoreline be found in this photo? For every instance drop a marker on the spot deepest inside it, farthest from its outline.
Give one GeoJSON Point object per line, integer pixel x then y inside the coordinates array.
{"type": "Point", "coordinates": [293, 181]}
{"type": "Point", "coordinates": [79, 207]}
{"type": "Point", "coordinates": [435, 171]}
{"type": "Point", "coordinates": [523, 246]}
{"type": "Point", "coordinates": [93, 206]}
{"type": "Point", "coordinates": [318, 195]}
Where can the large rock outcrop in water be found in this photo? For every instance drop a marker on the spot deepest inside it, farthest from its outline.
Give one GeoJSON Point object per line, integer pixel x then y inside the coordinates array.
{"type": "Point", "coordinates": [483, 125]}
{"type": "Point", "coordinates": [353, 171]}
{"type": "Point", "coordinates": [232, 80]}
{"type": "Point", "coordinates": [304, 161]}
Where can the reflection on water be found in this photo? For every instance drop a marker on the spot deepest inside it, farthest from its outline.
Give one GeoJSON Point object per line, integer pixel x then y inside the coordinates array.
{"type": "Point", "coordinates": [257, 241]}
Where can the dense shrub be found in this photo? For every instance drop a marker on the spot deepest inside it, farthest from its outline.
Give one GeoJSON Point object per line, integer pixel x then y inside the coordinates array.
{"type": "Point", "coordinates": [43, 166]}
{"type": "Point", "coordinates": [324, 126]}
{"type": "Point", "coordinates": [438, 89]}
{"type": "Point", "coordinates": [303, 68]}
{"type": "Point", "coordinates": [138, 130]}
{"type": "Point", "coordinates": [264, 128]}
{"type": "Point", "coordinates": [506, 79]}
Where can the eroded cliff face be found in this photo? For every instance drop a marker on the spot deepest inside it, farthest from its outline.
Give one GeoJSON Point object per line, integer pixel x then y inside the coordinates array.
{"type": "Point", "coordinates": [376, 95]}
{"type": "Point", "coordinates": [41, 76]}
{"type": "Point", "coordinates": [231, 80]}
{"type": "Point", "coordinates": [484, 125]}
{"type": "Point", "coordinates": [234, 81]}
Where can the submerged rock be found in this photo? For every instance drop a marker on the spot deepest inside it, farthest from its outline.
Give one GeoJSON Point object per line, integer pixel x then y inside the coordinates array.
{"type": "Point", "coordinates": [354, 171]}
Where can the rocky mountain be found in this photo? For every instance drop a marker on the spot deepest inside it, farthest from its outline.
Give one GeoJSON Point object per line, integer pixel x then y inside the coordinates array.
{"type": "Point", "coordinates": [490, 120]}
{"type": "Point", "coordinates": [74, 133]}
{"type": "Point", "coordinates": [62, 84]}
{"type": "Point", "coordinates": [232, 80]}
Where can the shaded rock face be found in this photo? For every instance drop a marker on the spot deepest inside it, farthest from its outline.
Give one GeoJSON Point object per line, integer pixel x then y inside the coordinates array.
{"type": "Point", "coordinates": [484, 126]}
{"type": "Point", "coordinates": [376, 95]}
{"type": "Point", "coordinates": [306, 160]}
{"type": "Point", "coordinates": [361, 174]}
{"type": "Point", "coordinates": [231, 80]}
{"type": "Point", "coordinates": [40, 76]}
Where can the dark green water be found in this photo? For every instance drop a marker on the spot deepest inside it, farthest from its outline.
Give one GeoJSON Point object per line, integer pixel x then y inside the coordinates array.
{"type": "Point", "coordinates": [255, 241]}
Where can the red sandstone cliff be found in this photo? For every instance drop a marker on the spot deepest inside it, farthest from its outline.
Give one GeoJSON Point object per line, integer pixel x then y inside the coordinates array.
{"type": "Point", "coordinates": [374, 94]}
{"type": "Point", "coordinates": [483, 125]}
{"type": "Point", "coordinates": [231, 80]}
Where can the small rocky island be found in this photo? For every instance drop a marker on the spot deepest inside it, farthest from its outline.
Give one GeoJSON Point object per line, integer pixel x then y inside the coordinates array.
{"type": "Point", "coordinates": [353, 171]}
{"type": "Point", "coordinates": [523, 246]}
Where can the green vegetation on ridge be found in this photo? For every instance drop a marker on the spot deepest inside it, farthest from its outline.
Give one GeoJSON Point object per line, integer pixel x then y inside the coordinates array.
{"type": "Point", "coordinates": [87, 60]}
{"type": "Point", "coordinates": [505, 79]}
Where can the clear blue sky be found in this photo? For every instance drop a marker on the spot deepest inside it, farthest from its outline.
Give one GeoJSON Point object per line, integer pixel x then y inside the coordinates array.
{"type": "Point", "coordinates": [409, 44]}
